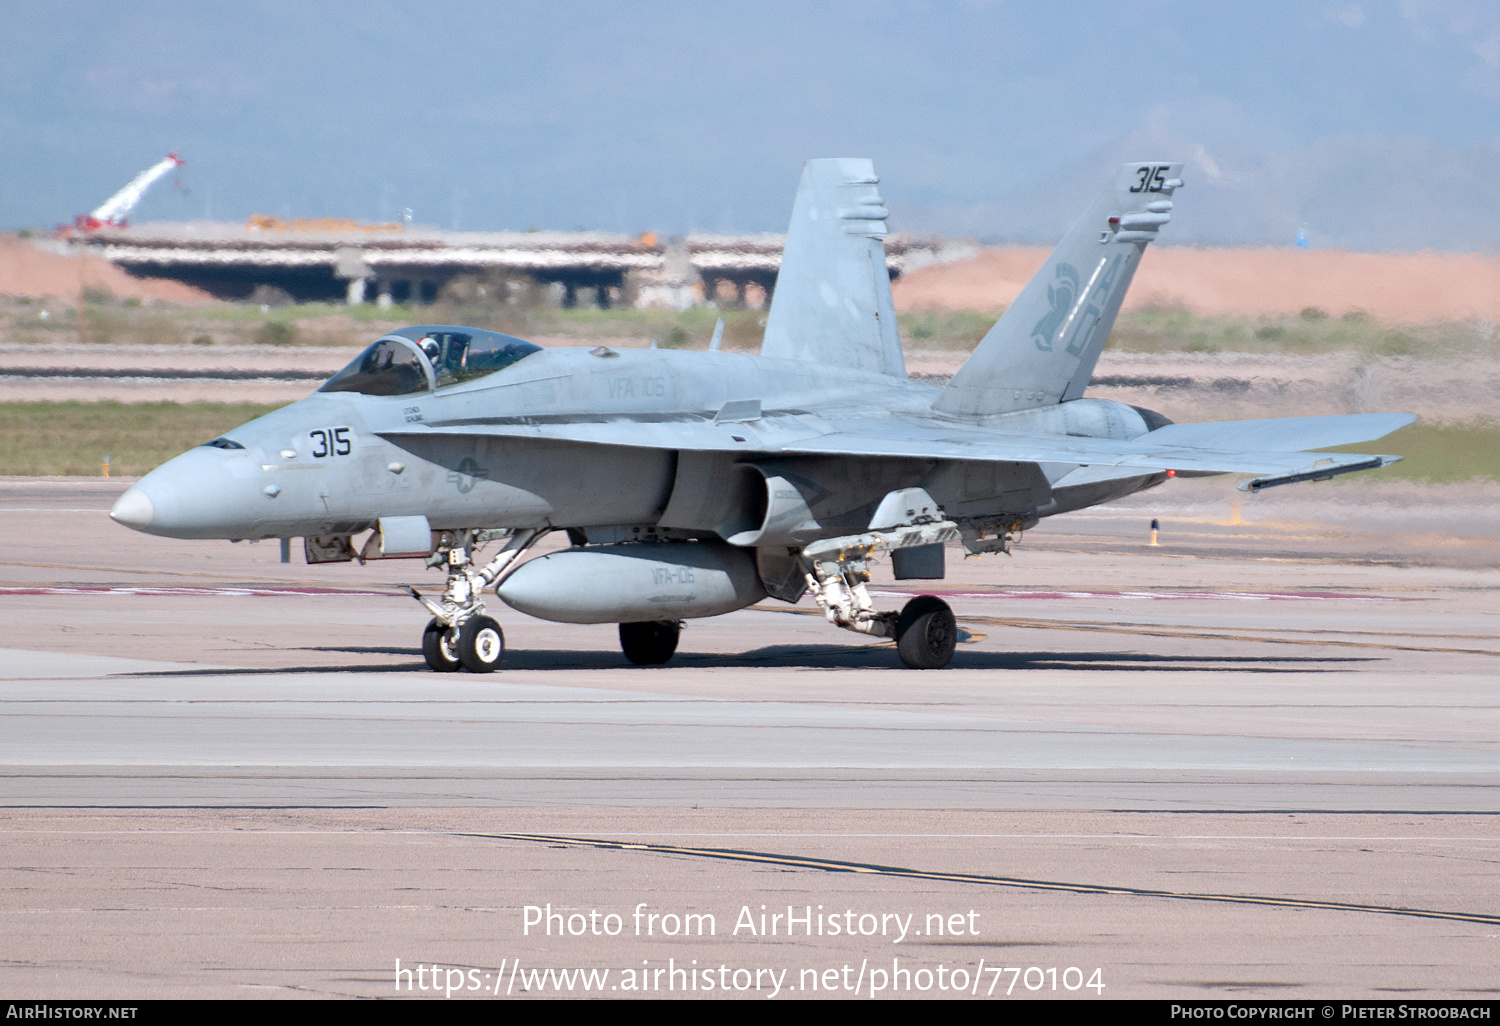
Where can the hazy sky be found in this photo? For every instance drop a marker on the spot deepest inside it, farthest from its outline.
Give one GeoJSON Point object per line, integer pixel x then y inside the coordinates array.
{"type": "Point", "coordinates": [1370, 124]}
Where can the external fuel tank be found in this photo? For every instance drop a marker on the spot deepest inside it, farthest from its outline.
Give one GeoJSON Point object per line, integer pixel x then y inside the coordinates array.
{"type": "Point", "coordinates": [635, 582]}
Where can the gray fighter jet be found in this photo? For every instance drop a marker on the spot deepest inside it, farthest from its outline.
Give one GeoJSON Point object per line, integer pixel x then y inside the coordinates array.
{"type": "Point", "coordinates": [691, 484]}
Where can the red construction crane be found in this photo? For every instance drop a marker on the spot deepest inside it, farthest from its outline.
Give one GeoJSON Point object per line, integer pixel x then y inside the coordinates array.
{"type": "Point", "coordinates": [113, 211]}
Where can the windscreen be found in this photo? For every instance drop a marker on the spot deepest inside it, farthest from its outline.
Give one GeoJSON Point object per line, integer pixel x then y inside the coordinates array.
{"type": "Point", "coordinates": [389, 367]}
{"type": "Point", "coordinates": [392, 365]}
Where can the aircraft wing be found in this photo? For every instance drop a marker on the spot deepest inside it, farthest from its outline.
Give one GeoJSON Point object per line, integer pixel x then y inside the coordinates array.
{"type": "Point", "coordinates": [1274, 448]}
{"type": "Point", "coordinates": [1274, 466]}
{"type": "Point", "coordinates": [1246, 447]}
{"type": "Point", "coordinates": [1270, 448]}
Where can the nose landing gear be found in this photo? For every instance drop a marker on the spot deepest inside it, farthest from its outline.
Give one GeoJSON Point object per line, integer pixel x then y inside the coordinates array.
{"type": "Point", "coordinates": [460, 635]}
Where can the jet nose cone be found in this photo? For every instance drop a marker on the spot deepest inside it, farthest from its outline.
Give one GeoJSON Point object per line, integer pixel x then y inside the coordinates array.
{"type": "Point", "coordinates": [133, 509]}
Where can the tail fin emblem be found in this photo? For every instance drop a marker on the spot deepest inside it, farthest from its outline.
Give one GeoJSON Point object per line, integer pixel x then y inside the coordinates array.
{"type": "Point", "coordinates": [1061, 296]}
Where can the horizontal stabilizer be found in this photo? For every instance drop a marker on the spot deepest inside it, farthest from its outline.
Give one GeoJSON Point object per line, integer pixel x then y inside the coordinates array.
{"type": "Point", "coordinates": [832, 303]}
{"type": "Point", "coordinates": [1287, 433]}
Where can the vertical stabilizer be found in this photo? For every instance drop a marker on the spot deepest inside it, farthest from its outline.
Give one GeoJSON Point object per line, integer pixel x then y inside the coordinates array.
{"type": "Point", "coordinates": [832, 303]}
{"type": "Point", "coordinates": [1042, 351]}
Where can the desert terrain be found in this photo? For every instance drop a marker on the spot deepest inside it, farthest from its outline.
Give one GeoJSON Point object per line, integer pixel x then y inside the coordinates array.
{"type": "Point", "coordinates": [1402, 288]}
{"type": "Point", "coordinates": [30, 271]}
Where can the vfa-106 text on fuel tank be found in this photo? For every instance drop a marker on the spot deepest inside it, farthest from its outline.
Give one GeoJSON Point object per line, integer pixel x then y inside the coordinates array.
{"type": "Point", "coordinates": [331, 442]}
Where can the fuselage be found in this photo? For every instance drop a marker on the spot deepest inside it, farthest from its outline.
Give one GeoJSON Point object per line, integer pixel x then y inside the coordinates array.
{"type": "Point", "coordinates": [570, 437]}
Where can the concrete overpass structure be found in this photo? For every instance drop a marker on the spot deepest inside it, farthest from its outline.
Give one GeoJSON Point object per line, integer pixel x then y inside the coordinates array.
{"type": "Point", "coordinates": [413, 265]}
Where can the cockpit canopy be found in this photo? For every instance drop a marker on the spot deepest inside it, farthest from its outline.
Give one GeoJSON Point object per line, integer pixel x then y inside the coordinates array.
{"type": "Point", "coordinates": [415, 359]}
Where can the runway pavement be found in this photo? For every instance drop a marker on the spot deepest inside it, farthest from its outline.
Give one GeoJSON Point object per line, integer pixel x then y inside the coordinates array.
{"type": "Point", "coordinates": [1252, 761]}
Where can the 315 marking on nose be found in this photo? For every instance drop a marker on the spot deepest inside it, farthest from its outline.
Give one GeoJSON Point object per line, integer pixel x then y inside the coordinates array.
{"type": "Point", "coordinates": [331, 442]}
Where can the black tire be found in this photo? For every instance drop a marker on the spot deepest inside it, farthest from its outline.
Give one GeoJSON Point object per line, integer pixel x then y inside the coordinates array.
{"type": "Point", "coordinates": [438, 648]}
{"type": "Point", "coordinates": [926, 633]}
{"type": "Point", "coordinates": [481, 645]}
{"type": "Point", "coordinates": [650, 643]}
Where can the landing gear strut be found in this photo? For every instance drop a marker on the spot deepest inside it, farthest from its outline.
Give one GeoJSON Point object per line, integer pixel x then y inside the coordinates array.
{"type": "Point", "coordinates": [459, 634]}
{"type": "Point", "coordinates": [650, 643]}
{"type": "Point", "coordinates": [838, 586]}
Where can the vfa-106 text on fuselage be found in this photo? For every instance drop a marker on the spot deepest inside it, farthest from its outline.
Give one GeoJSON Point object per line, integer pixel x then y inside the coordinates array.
{"type": "Point", "coordinates": [696, 483]}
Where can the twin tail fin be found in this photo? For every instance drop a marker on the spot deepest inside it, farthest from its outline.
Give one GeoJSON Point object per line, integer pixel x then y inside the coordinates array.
{"type": "Point", "coordinates": [1042, 351]}
{"type": "Point", "coordinates": [832, 304]}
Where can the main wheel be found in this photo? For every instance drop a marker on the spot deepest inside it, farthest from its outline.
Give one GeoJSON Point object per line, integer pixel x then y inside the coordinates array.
{"type": "Point", "coordinates": [438, 648]}
{"type": "Point", "coordinates": [650, 643]}
{"type": "Point", "coordinates": [481, 645]}
{"type": "Point", "coordinates": [926, 633]}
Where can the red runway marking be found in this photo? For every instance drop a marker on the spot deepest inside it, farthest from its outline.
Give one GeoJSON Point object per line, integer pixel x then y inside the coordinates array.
{"type": "Point", "coordinates": [192, 591]}
{"type": "Point", "coordinates": [1245, 596]}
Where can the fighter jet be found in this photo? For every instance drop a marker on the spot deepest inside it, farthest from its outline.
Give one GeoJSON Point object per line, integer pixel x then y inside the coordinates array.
{"type": "Point", "coordinates": [691, 484]}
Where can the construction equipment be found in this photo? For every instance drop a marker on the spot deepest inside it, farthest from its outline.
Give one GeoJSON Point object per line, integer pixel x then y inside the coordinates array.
{"type": "Point", "coordinates": [112, 212]}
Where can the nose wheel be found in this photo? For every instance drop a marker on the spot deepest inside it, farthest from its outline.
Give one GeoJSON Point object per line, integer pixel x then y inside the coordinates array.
{"type": "Point", "coordinates": [481, 645]}
{"type": "Point", "coordinates": [440, 647]}
{"type": "Point", "coordinates": [478, 646]}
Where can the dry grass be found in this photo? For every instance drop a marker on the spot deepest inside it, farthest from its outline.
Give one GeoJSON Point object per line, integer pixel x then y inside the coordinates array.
{"type": "Point", "coordinates": [73, 438]}
{"type": "Point", "coordinates": [1312, 331]}
{"type": "Point", "coordinates": [1437, 454]}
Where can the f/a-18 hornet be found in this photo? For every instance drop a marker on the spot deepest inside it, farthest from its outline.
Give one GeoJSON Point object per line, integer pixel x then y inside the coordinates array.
{"type": "Point", "coordinates": [692, 484]}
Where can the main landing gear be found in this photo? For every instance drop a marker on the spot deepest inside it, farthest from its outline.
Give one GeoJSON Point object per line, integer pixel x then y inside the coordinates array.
{"type": "Point", "coordinates": [460, 635]}
{"type": "Point", "coordinates": [925, 630]}
{"type": "Point", "coordinates": [837, 571]}
{"type": "Point", "coordinates": [650, 643]}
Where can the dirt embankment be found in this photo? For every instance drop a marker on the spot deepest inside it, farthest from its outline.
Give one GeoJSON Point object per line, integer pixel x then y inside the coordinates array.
{"type": "Point", "coordinates": [31, 272]}
{"type": "Point", "coordinates": [1410, 288]}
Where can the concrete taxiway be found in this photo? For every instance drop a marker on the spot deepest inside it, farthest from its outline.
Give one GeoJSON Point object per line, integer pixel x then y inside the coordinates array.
{"type": "Point", "coordinates": [1258, 759]}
